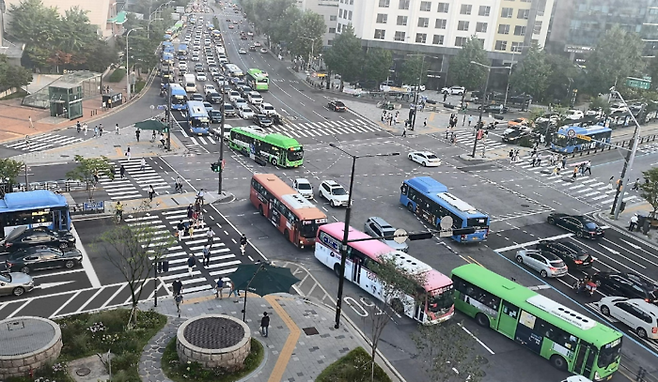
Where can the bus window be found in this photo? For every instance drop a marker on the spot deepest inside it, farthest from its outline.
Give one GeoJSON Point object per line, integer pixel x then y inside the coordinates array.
{"type": "Point", "coordinates": [510, 309]}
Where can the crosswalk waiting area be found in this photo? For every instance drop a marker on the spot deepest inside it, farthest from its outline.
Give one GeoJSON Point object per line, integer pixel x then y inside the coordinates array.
{"type": "Point", "coordinates": [586, 188]}
{"type": "Point", "coordinates": [121, 189]}
{"type": "Point", "coordinates": [222, 260]}
{"type": "Point", "coordinates": [466, 138]}
{"type": "Point", "coordinates": [42, 142]}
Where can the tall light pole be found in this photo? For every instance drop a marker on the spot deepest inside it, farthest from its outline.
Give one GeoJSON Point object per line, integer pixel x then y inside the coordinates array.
{"type": "Point", "coordinates": [420, 76]}
{"type": "Point", "coordinates": [310, 55]}
{"type": "Point", "coordinates": [346, 229]}
{"type": "Point", "coordinates": [128, 67]}
{"type": "Point", "coordinates": [221, 146]}
{"type": "Point", "coordinates": [148, 26]}
{"type": "Point", "coordinates": [484, 99]}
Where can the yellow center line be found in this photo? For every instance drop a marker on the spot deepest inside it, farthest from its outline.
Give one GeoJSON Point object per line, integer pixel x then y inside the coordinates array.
{"type": "Point", "coordinates": [291, 342]}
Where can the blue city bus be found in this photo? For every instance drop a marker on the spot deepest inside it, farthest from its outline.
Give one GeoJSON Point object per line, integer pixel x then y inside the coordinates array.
{"type": "Point", "coordinates": [431, 201]}
{"type": "Point", "coordinates": [178, 97]}
{"type": "Point", "coordinates": [198, 121]}
{"type": "Point", "coordinates": [34, 209]}
{"type": "Point", "coordinates": [570, 139]}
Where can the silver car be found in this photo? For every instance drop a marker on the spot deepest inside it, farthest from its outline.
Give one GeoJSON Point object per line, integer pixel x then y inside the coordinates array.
{"type": "Point", "coordinates": [378, 227]}
{"type": "Point", "coordinates": [546, 263]}
{"type": "Point", "coordinates": [15, 283]}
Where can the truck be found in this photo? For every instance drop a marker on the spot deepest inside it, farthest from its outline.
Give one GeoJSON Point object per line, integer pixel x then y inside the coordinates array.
{"type": "Point", "coordinates": [189, 83]}
{"type": "Point", "coordinates": [182, 51]}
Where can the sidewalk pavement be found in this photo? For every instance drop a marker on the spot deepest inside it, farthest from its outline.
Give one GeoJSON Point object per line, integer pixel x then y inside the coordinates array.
{"type": "Point", "coordinates": [622, 223]}
{"type": "Point", "coordinates": [301, 343]}
{"type": "Point", "coordinates": [110, 145]}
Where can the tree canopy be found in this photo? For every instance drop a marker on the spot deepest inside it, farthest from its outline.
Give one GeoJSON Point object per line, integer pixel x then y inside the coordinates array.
{"type": "Point", "coordinates": [378, 63]}
{"type": "Point", "coordinates": [414, 71]}
{"type": "Point", "coordinates": [345, 56]}
{"type": "Point", "coordinates": [306, 34]}
{"type": "Point", "coordinates": [649, 189]}
{"type": "Point", "coordinates": [12, 76]}
{"type": "Point", "coordinates": [531, 75]}
{"type": "Point", "coordinates": [90, 168]}
{"type": "Point", "coordinates": [461, 72]}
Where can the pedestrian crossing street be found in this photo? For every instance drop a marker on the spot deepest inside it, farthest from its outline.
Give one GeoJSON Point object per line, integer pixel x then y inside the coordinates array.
{"type": "Point", "coordinates": [586, 188]}
{"type": "Point", "coordinates": [42, 142]}
{"type": "Point", "coordinates": [120, 189]}
{"type": "Point", "coordinates": [466, 138]}
{"type": "Point", "coordinates": [222, 259]}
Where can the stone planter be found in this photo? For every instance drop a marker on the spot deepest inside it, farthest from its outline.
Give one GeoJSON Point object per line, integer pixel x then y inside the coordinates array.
{"type": "Point", "coordinates": [28, 343]}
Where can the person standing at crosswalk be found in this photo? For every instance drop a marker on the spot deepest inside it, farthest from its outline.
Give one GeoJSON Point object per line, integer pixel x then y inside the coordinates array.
{"type": "Point", "coordinates": [116, 129]}
{"type": "Point", "coordinates": [142, 164]}
{"type": "Point", "coordinates": [180, 227]}
{"type": "Point", "coordinates": [122, 172]}
{"type": "Point", "coordinates": [85, 128]}
{"type": "Point", "coordinates": [128, 153]}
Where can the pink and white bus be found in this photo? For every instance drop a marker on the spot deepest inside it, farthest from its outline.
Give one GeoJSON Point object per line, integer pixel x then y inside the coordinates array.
{"type": "Point", "coordinates": [438, 305]}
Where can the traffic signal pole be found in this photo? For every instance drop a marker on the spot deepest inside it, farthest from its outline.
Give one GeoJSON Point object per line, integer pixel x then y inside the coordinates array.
{"type": "Point", "coordinates": [221, 147]}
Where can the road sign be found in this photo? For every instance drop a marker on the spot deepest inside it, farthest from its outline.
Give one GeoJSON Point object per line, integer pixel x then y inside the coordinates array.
{"type": "Point", "coordinates": [93, 206]}
{"type": "Point", "coordinates": [583, 137]}
{"type": "Point", "coordinates": [446, 222]}
{"type": "Point", "coordinates": [571, 133]}
{"type": "Point", "coordinates": [162, 107]}
{"type": "Point", "coordinates": [639, 83]}
{"type": "Point", "coordinates": [400, 236]}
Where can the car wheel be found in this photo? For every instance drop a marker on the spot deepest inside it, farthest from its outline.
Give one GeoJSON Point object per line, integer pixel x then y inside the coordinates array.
{"type": "Point", "coordinates": [409, 156]}
{"type": "Point", "coordinates": [69, 264]}
{"type": "Point", "coordinates": [424, 164]}
{"type": "Point", "coordinates": [551, 220]}
{"type": "Point", "coordinates": [641, 332]}
{"type": "Point", "coordinates": [519, 259]}
{"type": "Point", "coordinates": [332, 203]}
{"type": "Point", "coordinates": [543, 273]}
{"type": "Point", "coordinates": [605, 310]}
{"type": "Point", "coordinates": [482, 320]}
{"type": "Point", "coordinates": [559, 362]}
{"type": "Point", "coordinates": [579, 234]}
{"type": "Point", "coordinates": [18, 291]}
{"type": "Point", "coordinates": [25, 269]}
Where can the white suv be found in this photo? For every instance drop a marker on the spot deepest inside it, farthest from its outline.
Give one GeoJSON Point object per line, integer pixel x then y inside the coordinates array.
{"type": "Point", "coordinates": [639, 315]}
{"type": "Point", "coordinates": [334, 193]}
{"type": "Point", "coordinates": [267, 109]}
{"type": "Point", "coordinates": [304, 187]}
{"type": "Point", "coordinates": [453, 90]}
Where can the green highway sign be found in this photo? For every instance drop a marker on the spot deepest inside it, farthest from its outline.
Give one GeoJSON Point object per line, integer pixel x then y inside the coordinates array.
{"type": "Point", "coordinates": [639, 83]}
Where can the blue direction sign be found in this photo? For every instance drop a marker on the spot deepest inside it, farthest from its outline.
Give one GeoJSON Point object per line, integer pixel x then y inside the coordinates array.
{"type": "Point", "coordinates": [93, 206]}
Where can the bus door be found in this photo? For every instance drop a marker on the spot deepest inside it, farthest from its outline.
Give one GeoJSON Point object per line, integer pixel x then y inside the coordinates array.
{"type": "Point", "coordinates": [508, 320]}
{"type": "Point", "coordinates": [357, 263]}
{"type": "Point", "coordinates": [419, 310]}
{"type": "Point", "coordinates": [585, 359]}
{"type": "Point", "coordinates": [275, 215]}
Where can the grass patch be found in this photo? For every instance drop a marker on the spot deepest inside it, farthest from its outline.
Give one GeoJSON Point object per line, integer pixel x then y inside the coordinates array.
{"type": "Point", "coordinates": [353, 367]}
{"type": "Point", "coordinates": [117, 75]}
{"type": "Point", "coordinates": [139, 85]}
{"type": "Point", "coordinates": [19, 94]}
{"type": "Point", "coordinates": [178, 372]}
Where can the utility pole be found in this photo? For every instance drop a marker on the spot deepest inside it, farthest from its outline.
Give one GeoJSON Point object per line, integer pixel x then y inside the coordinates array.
{"type": "Point", "coordinates": [169, 113]}
{"type": "Point", "coordinates": [484, 99]}
{"type": "Point", "coordinates": [221, 146]}
{"type": "Point", "coordinates": [27, 185]}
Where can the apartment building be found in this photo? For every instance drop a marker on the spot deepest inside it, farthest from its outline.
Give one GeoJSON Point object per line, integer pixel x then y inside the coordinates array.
{"type": "Point", "coordinates": [328, 9]}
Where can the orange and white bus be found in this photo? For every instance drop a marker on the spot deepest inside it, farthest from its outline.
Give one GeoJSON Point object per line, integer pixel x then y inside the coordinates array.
{"type": "Point", "coordinates": [291, 213]}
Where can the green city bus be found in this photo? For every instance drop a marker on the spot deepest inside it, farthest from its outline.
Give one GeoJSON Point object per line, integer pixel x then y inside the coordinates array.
{"type": "Point", "coordinates": [277, 149]}
{"type": "Point", "coordinates": [257, 80]}
{"type": "Point", "coordinates": [568, 339]}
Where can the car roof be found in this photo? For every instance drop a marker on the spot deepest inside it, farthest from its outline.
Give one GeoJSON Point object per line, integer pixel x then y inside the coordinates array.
{"type": "Point", "coordinates": [331, 182]}
{"type": "Point", "coordinates": [383, 223]}
{"type": "Point", "coordinates": [302, 180]}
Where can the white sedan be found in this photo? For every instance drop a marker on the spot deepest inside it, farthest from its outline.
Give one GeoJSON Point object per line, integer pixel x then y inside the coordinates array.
{"type": "Point", "coordinates": [209, 88]}
{"type": "Point", "coordinates": [201, 77]}
{"type": "Point", "coordinates": [245, 112]}
{"type": "Point", "coordinates": [424, 158]}
{"type": "Point", "coordinates": [242, 51]}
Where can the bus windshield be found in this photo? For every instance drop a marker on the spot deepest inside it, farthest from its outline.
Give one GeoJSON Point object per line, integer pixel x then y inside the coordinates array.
{"type": "Point", "coordinates": [296, 155]}
{"type": "Point", "coordinates": [309, 228]}
{"type": "Point", "coordinates": [440, 300]}
{"type": "Point", "coordinates": [609, 353]}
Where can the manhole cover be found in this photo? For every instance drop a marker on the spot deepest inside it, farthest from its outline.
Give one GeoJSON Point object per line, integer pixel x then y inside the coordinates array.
{"type": "Point", "coordinates": [310, 331]}
{"type": "Point", "coordinates": [83, 371]}
{"type": "Point", "coordinates": [525, 205]}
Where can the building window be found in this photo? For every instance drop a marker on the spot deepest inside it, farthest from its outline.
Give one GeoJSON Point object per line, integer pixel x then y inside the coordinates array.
{"type": "Point", "coordinates": [481, 27]}
{"type": "Point", "coordinates": [462, 26]}
{"type": "Point", "coordinates": [523, 14]}
{"type": "Point", "coordinates": [437, 39]}
{"type": "Point", "coordinates": [507, 13]}
{"type": "Point", "coordinates": [332, 30]}
{"type": "Point", "coordinates": [421, 38]}
{"type": "Point", "coordinates": [402, 20]}
{"type": "Point", "coordinates": [466, 9]}
{"type": "Point", "coordinates": [423, 22]}
{"type": "Point", "coordinates": [404, 4]}
{"type": "Point", "coordinates": [501, 45]}
{"type": "Point", "coordinates": [440, 23]}
{"type": "Point", "coordinates": [503, 29]}
{"type": "Point", "coordinates": [384, 3]}
{"type": "Point", "coordinates": [340, 13]}
{"type": "Point", "coordinates": [351, 2]}
{"type": "Point", "coordinates": [460, 41]}
{"type": "Point", "coordinates": [485, 10]}
{"type": "Point", "coordinates": [443, 8]}
{"type": "Point", "coordinates": [519, 30]}
{"type": "Point", "coordinates": [537, 28]}
{"type": "Point", "coordinates": [380, 34]}
{"type": "Point", "coordinates": [399, 36]}
{"type": "Point", "coordinates": [382, 18]}
{"type": "Point", "coordinates": [350, 16]}
{"type": "Point", "coordinates": [425, 6]}
{"type": "Point", "coordinates": [330, 42]}
{"type": "Point", "coordinates": [338, 28]}
{"type": "Point", "coordinates": [516, 47]}
{"type": "Point", "coordinates": [332, 18]}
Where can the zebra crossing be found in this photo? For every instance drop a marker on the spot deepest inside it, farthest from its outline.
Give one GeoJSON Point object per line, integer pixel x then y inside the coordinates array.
{"type": "Point", "coordinates": [325, 128]}
{"type": "Point", "coordinates": [42, 142]}
{"type": "Point", "coordinates": [222, 259]}
{"type": "Point", "coordinates": [466, 137]}
{"type": "Point", "coordinates": [585, 188]}
{"type": "Point", "coordinates": [120, 189]}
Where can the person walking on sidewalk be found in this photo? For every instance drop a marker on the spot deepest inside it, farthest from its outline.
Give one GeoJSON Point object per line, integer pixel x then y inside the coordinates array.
{"type": "Point", "coordinates": [219, 289]}
{"type": "Point", "coordinates": [404, 131]}
{"type": "Point", "coordinates": [191, 263]}
{"type": "Point", "coordinates": [264, 324]}
{"type": "Point", "coordinates": [128, 153]}
{"type": "Point", "coordinates": [633, 223]}
{"type": "Point", "coordinates": [85, 128]}
{"type": "Point", "coordinates": [96, 131]}
{"type": "Point", "coordinates": [243, 244]}
{"type": "Point", "coordinates": [78, 127]}
{"type": "Point", "coordinates": [31, 123]}
{"type": "Point", "coordinates": [142, 164]}
{"type": "Point", "coordinates": [151, 193]}
{"type": "Point", "coordinates": [178, 299]}
{"type": "Point", "coordinates": [116, 129]}
{"type": "Point", "coordinates": [137, 132]}
{"type": "Point", "coordinates": [100, 130]}
{"type": "Point", "coordinates": [231, 290]}
{"type": "Point", "coordinates": [587, 168]}
{"type": "Point", "coordinates": [425, 123]}
{"type": "Point", "coordinates": [206, 256]}
{"type": "Point", "coordinates": [177, 286]}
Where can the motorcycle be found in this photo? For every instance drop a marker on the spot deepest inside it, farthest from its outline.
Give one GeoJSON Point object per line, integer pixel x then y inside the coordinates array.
{"type": "Point", "coordinates": [585, 285]}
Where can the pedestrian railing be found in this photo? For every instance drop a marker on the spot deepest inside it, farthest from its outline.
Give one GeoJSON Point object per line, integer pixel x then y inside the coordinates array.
{"type": "Point", "coordinates": [55, 186]}
{"type": "Point", "coordinates": [625, 144]}
{"type": "Point", "coordinates": [638, 373]}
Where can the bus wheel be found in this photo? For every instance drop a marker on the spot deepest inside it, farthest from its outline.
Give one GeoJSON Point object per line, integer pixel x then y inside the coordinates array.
{"type": "Point", "coordinates": [559, 362]}
{"type": "Point", "coordinates": [397, 306]}
{"type": "Point", "coordinates": [410, 207]}
{"type": "Point", "coordinates": [260, 210]}
{"type": "Point", "coordinates": [482, 320]}
{"type": "Point", "coordinates": [337, 270]}
{"type": "Point", "coordinates": [273, 161]}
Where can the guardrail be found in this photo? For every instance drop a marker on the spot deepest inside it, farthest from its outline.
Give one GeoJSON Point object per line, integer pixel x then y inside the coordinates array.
{"type": "Point", "coordinates": [631, 370]}
{"type": "Point", "coordinates": [627, 143]}
{"type": "Point", "coordinates": [61, 186]}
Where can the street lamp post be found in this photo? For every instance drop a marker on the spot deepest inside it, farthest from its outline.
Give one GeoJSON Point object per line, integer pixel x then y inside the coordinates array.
{"type": "Point", "coordinates": [221, 147]}
{"type": "Point", "coordinates": [310, 55]}
{"type": "Point", "coordinates": [346, 229]}
{"type": "Point", "coordinates": [416, 95]}
{"type": "Point", "coordinates": [484, 99]}
{"type": "Point", "coordinates": [148, 26]}
{"type": "Point", "coordinates": [128, 67]}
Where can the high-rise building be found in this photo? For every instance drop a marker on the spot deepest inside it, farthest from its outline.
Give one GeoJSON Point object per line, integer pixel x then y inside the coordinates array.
{"type": "Point", "coordinates": [328, 9]}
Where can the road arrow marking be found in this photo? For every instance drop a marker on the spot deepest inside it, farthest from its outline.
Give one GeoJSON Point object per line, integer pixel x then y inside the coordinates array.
{"type": "Point", "coordinates": [631, 244]}
{"type": "Point", "coordinates": [610, 249]}
{"type": "Point", "coordinates": [53, 285]}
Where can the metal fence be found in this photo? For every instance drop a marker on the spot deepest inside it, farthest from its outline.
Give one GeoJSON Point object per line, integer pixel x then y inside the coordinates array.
{"type": "Point", "coordinates": [628, 143]}
{"type": "Point", "coordinates": [636, 373]}
{"type": "Point", "coordinates": [90, 82]}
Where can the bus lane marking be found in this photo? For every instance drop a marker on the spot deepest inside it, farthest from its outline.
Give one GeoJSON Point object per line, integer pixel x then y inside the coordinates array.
{"type": "Point", "coordinates": [476, 339]}
{"type": "Point", "coordinates": [352, 303]}
{"type": "Point", "coordinates": [620, 247]}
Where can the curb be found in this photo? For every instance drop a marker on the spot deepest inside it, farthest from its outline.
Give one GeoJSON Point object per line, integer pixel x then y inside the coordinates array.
{"type": "Point", "coordinates": [620, 229]}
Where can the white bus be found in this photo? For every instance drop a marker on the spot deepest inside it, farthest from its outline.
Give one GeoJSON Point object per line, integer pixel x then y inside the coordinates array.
{"type": "Point", "coordinates": [234, 70]}
{"type": "Point", "coordinates": [189, 83]}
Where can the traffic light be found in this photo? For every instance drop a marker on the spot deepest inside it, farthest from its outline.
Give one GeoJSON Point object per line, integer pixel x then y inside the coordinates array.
{"type": "Point", "coordinates": [215, 167]}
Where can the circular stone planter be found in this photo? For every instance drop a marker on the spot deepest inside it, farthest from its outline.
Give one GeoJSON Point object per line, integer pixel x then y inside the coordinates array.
{"type": "Point", "coordinates": [214, 341]}
{"type": "Point", "coordinates": [28, 343]}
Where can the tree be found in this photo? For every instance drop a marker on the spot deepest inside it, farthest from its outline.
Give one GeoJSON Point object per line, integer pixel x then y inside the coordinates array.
{"type": "Point", "coordinates": [617, 55]}
{"type": "Point", "coordinates": [345, 55]}
{"type": "Point", "coordinates": [377, 64]}
{"type": "Point", "coordinates": [564, 75]}
{"type": "Point", "coordinates": [649, 189]}
{"type": "Point", "coordinates": [268, 17]}
{"type": "Point", "coordinates": [414, 71]}
{"type": "Point", "coordinates": [306, 35]}
{"type": "Point", "coordinates": [461, 72]}
{"type": "Point", "coordinates": [89, 169]}
{"type": "Point", "coordinates": [280, 29]}
{"type": "Point", "coordinates": [135, 251]}
{"type": "Point", "coordinates": [531, 75]}
{"type": "Point", "coordinates": [12, 76]}
{"type": "Point", "coordinates": [9, 170]}
{"type": "Point", "coordinates": [37, 26]}
{"type": "Point", "coordinates": [447, 351]}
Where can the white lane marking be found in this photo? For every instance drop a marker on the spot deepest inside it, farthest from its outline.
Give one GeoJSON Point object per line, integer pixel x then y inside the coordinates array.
{"type": "Point", "coordinates": [86, 262]}
{"type": "Point", "coordinates": [530, 243]}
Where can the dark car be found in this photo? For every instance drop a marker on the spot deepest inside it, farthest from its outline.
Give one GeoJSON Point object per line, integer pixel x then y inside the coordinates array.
{"type": "Point", "coordinates": [244, 90]}
{"type": "Point", "coordinates": [574, 256]}
{"type": "Point", "coordinates": [629, 285]}
{"type": "Point", "coordinates": [41, 257]}
{"type": "Point", "coordinates": [582, 226]}
{"type": "Point", "coordinates": [336, 106]}
{"type": "Point", "coordinates": [215, 116]}
{"type": "Point", "coordinates": [252, 48]}
{"type": "Point", "coordinates": [23, 237]}
{"type": "Point", "coordinates": [214, 97]}
{"type": "Point", "coordinates": [262, 120]}
{"type": "Point", "coordinates": [498, 109]}
{"type": "Point", "coordinates": [513, 136]}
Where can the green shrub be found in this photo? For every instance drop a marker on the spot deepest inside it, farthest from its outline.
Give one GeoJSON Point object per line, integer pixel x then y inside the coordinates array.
{"type": "Point", "coordinates": [139, 85]}
{"type": "Point", "coordinates": [353, 367]}
{"type": "Point", "coordinates": [117, 75]}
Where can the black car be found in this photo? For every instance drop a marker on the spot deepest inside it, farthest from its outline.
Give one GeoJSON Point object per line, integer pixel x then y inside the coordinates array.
{"type": "Point", "coordinates": [574, 256]}
{"type": "Point", "coordinates": [336, 106]}
{"type": "Point", "coordinates": [244, 90]}
{"type": "Point", "coordinates": [629, 285]}
{"type": "Point", "coordinates": [214, 97]}
{"type": "Point", "coordinates": [23, 237]}
{"type": "Point", "coordinates": [498, 109]}
{"type": "Point", "coordinates": [215, 116]}
{"type": "Point", "coordinates": [41, 257]}
{"type": "Point", "coordinates": [514, 135]}
{"type": "Point", "coordinates": [262, 120]}
{"type": "Point", "coordinates": [582, 226]}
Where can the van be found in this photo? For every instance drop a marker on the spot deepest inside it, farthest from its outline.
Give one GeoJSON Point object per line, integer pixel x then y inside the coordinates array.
{"type": "Point", "coordinates": [189, 83]}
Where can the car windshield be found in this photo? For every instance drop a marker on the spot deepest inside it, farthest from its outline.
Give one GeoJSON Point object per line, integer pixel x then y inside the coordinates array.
{"type": "Point", "coordinates": [610, 353]}
{"type": "Point", "coordinates": [309, 229]}
{"type": "Point", "coordinates": [304, 186]}
{"type": "Point", "coordinates": [295, 155]}
{"type": "Point", "coordinates": [338, 191]}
